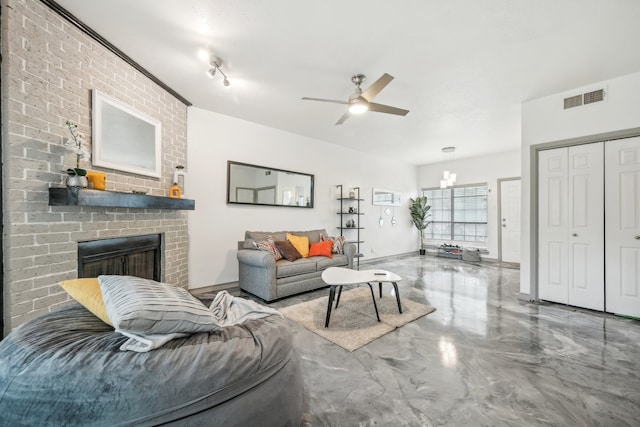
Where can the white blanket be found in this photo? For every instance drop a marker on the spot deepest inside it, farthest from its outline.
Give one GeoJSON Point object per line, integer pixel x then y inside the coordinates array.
{"type": "Point", "coordinates": [229, 310]}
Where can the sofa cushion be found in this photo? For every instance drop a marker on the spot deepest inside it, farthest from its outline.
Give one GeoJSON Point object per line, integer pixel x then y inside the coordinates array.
{"type": "Point", "coordinates": [323, 263]}
{"type": "Point", "coordinates": [288, 251]}
{"type": "Point", "coordinates": [268, 245]}
{"type": "Point", "coordinates": [300, 266]}
{"type": "Point", "coordinates": [338, 243]}
{"type": "Point", "coordinates": [301, 243]}
{"type": "Point", "coordinates": [321, 249]}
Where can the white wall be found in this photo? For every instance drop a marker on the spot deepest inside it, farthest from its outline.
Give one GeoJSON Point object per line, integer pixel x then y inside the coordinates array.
{"type": "Point", "coordinates": [544, 120]}
{"type": "Point", "coordinates": [215, 227]}
{"type": "Point", "coordinates": [477, 170]}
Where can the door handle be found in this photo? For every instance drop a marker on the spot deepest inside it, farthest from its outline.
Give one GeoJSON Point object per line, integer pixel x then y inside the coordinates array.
{"type": "Point", "coordinates": [637, 237]}
{"type": "Point", "coordinates": [575, 234]}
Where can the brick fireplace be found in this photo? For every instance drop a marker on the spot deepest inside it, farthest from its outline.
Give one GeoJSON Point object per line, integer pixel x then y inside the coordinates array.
{"type": "Point", "coordinates": [50, 65]}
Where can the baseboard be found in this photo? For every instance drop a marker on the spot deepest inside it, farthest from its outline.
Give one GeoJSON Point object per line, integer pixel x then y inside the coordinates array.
{"type": "Point", "coordinates": [232, 287]}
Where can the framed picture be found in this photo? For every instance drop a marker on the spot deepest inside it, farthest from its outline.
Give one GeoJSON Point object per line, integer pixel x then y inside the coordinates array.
{"type": "Point", "coordinates": [123, 138]}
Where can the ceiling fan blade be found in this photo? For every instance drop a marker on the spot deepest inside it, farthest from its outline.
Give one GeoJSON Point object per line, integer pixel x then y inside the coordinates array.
{"type": "Point", "coordinates": [344, 117]}
{"type": "Point", "coordinates": [380, 108]}
{"type": "Point", "coordinates": [376, 87]}
{"type": "Point", "coordinates": [333, 101]}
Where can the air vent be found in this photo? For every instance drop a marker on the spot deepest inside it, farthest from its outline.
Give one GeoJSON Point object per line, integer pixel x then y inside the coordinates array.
{"type": "Point", "coordinates": [573, 101]}
{"type": "Point", "coordinates": [595, 96]}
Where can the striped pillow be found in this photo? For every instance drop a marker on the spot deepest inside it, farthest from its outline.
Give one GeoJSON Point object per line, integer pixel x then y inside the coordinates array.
{"type": "Point", "coordinates": [268, 245]}
{"type": "Point", "coordinates": [145, 306]}
{"type": "Point", "coordinates": [338, 243]}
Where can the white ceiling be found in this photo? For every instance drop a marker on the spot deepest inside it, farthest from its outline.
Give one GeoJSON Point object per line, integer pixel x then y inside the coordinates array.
{"type": "Point", "coordinates": [462, 67]}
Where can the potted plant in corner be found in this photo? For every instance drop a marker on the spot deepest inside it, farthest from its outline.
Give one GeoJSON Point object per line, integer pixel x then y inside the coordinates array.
{"type": "Point", "coordinates": [419, 211]}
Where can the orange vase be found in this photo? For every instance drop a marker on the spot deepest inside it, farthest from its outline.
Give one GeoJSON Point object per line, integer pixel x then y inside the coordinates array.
{"type": "Point", "coordinates": [97, 180]}
{"type": "Point", "coordinates": [175, 192]}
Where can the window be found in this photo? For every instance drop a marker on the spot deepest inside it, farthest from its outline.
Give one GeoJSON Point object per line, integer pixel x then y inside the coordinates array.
{"type": "Point", "coordinates": [458, 213]}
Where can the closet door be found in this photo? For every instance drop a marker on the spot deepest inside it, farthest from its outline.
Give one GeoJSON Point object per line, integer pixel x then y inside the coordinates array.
{"type": "Point", "coordinates": [623, 226]}
{"type": "Point", "coordinates": [571, 226]}
{"type": "Point", "coordinates": [586, 226]}
{"type": "Point", "coordinates": [552, 225]}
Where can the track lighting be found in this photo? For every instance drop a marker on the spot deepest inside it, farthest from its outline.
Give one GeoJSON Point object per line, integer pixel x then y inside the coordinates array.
{"type": "Point", "coordinates": [215, 64]}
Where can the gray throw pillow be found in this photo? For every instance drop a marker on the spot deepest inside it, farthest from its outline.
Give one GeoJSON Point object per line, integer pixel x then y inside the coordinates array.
{"type": "Point", "coordinates": [149, 307]}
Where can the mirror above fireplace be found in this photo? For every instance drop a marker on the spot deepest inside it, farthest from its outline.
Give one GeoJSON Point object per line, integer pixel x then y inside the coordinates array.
{"type": "Point", "coordinates": [261, 185]}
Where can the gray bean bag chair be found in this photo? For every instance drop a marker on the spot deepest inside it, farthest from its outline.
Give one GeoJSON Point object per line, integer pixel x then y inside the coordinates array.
{"type": "Point", "coordinates": [66, 368]}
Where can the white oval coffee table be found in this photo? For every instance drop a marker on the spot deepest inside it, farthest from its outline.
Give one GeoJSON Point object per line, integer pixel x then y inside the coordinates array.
{"type": "Point", "coordinates": [340, 276]}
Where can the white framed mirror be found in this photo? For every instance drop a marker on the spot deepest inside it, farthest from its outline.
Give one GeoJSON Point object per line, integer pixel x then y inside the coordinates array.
{"type": "Point", "coordinates": [386, 197]}
{"type": "Point", "coordinates": [123, 138]}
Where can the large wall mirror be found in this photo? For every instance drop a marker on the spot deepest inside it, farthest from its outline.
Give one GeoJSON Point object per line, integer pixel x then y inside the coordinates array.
{"type": "Point", "coordinates": [386, 197]}
{"type": "Point", "coordinates": [261, 185]}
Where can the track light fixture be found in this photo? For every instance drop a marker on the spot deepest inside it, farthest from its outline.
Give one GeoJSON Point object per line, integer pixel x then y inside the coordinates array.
{"type": "Point", "coordinates": [215, 64]}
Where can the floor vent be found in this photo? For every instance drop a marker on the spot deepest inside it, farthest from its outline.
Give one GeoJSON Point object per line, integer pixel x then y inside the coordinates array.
{"type": "Point", "coordinates": [573, 101]}
{"type": "Point", "coordinates": [595, 96]}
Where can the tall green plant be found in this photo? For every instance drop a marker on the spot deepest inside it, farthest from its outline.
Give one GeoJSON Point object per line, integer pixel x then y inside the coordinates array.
{"type": "Point", "coordinates": [419, 211]}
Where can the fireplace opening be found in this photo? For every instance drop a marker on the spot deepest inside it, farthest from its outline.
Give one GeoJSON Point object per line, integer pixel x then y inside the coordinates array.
{"type": "Point", "coordinates": [139, 256]}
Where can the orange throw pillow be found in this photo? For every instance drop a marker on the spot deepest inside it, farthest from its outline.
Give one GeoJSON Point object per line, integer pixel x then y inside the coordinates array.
{"type": "Point", "coordinates": [321, 249]}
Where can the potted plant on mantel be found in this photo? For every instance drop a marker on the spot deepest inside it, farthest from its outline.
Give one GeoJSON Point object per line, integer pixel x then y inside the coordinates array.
{"type": "Point", "coordinates": [77, 177]}
{"type": "Point", "coordinates": [419, 211]}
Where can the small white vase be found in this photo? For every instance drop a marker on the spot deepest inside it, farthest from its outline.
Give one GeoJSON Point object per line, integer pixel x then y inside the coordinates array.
{"type": "Point", "coordinates": [77, 181]}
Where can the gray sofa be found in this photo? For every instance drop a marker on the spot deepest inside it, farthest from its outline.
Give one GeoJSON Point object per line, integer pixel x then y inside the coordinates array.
{"type": "Point", "coordinates": [261, 275]}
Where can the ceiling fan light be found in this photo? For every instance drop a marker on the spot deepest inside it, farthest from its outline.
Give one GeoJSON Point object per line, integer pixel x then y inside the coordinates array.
{"type": "Point", "coordinates": [358, 107]}
{"type": "Point", "coordinates": [225, 82]}
{"type": "Point", "coordinates": [211, 73]}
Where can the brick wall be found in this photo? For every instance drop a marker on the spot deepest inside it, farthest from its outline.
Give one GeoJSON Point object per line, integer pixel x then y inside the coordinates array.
{"type": "Point", "coordinates": [49, 70]}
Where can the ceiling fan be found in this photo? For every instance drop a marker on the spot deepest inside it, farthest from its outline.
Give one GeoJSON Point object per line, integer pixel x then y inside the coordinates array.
{"type": "Point", "coordinates": [360, 101]}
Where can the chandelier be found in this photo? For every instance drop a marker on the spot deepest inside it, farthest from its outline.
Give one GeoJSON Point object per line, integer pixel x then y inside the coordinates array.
{"type": "Point", "coordinates": [448, 177]}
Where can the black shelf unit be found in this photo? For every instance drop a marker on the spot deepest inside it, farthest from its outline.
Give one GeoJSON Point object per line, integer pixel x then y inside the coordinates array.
{"type": "Point", "coordinates": [348, 216]}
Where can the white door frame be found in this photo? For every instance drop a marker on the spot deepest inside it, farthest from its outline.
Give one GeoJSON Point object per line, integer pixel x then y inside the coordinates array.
{"type": "Point", "coordinates": [500, 181]}
{"type": "Point", "coordinates": [533, 187]}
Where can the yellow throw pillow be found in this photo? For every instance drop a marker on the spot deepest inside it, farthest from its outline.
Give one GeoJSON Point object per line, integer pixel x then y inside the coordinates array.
{"type": "Point", "coordinates": [87, 292]}
{"type": "Point", "coordinates": [301, 243]}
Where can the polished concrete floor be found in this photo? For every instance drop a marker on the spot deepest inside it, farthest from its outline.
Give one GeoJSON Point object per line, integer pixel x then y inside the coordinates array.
{"type": "Point", "coordinates": [484, 358]}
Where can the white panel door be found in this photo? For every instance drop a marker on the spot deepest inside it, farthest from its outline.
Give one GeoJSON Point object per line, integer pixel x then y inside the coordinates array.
{"type": "Point", "coordinates": [510, 220]}
{"type": "Point", "coordinates": [586, 226]}
{"type": "Point", "coordinates": [622, 159]}
{"type": "Point", "coordinates": [552, 225]}
{"type": "Point", "coordinates": [571, 226]}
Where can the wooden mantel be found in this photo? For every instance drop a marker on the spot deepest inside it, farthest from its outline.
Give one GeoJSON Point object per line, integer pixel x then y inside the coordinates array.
{"type": "Point", "coordinates": [73, 196]}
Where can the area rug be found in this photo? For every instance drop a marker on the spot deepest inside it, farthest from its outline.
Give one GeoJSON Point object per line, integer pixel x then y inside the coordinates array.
{"type": "Point", "coordinates": [354, 324]}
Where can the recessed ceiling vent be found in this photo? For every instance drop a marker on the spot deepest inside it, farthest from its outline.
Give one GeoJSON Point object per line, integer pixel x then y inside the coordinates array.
{"type": "Point", "coordinates": [595, 96]}
{"type": "Point", "coordinates": [584, 99]}
{"type": "Point", "coordinates": [573, 101]}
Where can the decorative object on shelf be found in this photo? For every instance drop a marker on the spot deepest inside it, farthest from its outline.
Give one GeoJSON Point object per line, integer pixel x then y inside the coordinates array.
{"type": "Point", "coordinates": [419, 211]}
{"type": "Point", "coordinates": [175, 192]}
{"type": "Point", "coordinates": [179, 177]}
{"type": "Point", "coordinates": [97, 180]}
{"type": "Point", "coordinates": [76, 177]}
{"type": "Point", "coordinates": [125, 139]}
{"type": "Point", "coordinates": [448, 177]}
